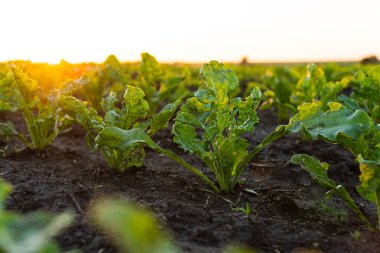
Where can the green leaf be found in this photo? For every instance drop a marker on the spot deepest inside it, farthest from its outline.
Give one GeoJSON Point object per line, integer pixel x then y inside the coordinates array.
{"type": "Point", "coordinates": [369, 178]}
{"type": "Point", "coordinates": [132, 228]}
{"type": "Point", "coordinates": [318, 172]}
{"type": "Point", "coordinates": [135, 107]}
{"type": "Point", "coordinates": [69, 86]}
{"type": "Point", "coordinates": [219, 80]}
{"type": "Point", "coordinates": [30, 233]}
{"type": "Point", "coordinates": [108, 103]}
{"type": "Point", "coordinates": [150, 68]}
{"type": "Point", "coordinates": [120, 139]}
{"type": "Point", "coordinates": [5, 190]}
{"type": "Point", "coordinates": [186, 136]}
{"type": "Point", "coordinates": [161, 119]}
{"type": "Point", "coordinates": [330, 124]}
{"type": "Point", "coordinates": [229, 153]}
{"type": "Point", "coordinates": [316, 169]}
{"type": "Point", "coordinates": [81, 112]}
{"type": "Point", "coordinates": [7, 129]}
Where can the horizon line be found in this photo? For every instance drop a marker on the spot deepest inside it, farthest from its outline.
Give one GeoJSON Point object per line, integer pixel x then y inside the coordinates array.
{"type": "Point", "coordinates": [258, 61]}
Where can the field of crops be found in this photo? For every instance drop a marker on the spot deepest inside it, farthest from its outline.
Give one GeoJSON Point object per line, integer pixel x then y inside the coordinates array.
{"type": "Point", "coordinates": [154, 158]}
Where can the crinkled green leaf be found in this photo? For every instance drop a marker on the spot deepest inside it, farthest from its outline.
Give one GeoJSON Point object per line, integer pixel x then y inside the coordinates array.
{"type": "Point", "coordinates": [353, 130]}
{"type": "Point", "coordinates": [186, 136]}
{"type": "Point", "coordinates": [246, 112]}
{"type": "Point", "coordinates": [81, 112]}
{"type": "Point", "coordinates": [219, 80]}
{"type": "Point", "coordinates": [330, 124]}
{"type": "Point", "coordinates": [134, 107]}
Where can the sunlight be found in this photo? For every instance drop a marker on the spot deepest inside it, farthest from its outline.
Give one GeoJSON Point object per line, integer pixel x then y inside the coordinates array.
{"type": "Point", "coordinates": [195, 31]}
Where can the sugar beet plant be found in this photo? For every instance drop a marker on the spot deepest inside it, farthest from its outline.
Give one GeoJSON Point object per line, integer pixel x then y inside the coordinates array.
{"type": "Point", "coordinates": [354, 130]}
{"type": "Point", "coordinates": [366, 93]}
{"type": "Point", "coordinates": [210, 125]}
{"type": "Point", "coordinates": [127, 114]}
{"type": "Point", "coordinates": [20, 93]}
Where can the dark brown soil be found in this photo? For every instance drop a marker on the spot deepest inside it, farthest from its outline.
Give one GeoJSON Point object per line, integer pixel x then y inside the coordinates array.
{"type": "Point", "coordinates": [290, 214]}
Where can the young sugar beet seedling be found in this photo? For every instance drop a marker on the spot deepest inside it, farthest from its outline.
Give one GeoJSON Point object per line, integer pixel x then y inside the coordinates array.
{"type": "Point", "coordinates": [210, 125]}
{"type": "Point", "coordinates": [131, 115]}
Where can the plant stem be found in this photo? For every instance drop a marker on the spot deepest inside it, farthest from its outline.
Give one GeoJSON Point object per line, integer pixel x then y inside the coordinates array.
{"type": "Point", "coordinates": [277, 134]}
{"type": "Point", "coordinates": [356, 210]}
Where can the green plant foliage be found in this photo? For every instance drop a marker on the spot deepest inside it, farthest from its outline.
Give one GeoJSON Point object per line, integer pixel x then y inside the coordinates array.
{"type": "Point", "coordinates": [277, 84]}
{"type": "Point", "coordinates": [119, 139]}
{"type": "Point", "coordinates": [211, 125]}
{"type": "Point", "coordinates": [30, 233]}
{"type": "Point", "coordinates": [160, 84]}
{"type": "Point", "coordinates": [131, 114]}
{"type": "Point", "coordinates": [246, 210]}
{"type": "Point", "coordinates": [131, 228]}
{"type": "Point", "coordinates": [109, 76]}
{"type": "Point", "coordinates": [366, 93]}
{"type": "Point", "coordinates": [7, 130]}
{"type": "Point", "coordinates": [37, 106]}
{"type": "Point", "coordinates": [318, 171]}
{"type": "Point", "coordinates": [313, 87]}
{"type": "Point", "coordinates": [353, 130]}
{"type": "Point", "coordinates": [222, 122]}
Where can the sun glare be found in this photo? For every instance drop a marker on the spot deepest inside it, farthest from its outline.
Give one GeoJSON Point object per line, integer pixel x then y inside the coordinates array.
{"type": "Point", "coordinates": [191, 31]}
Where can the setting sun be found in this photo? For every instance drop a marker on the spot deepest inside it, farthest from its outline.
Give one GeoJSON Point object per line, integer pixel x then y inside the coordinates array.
{"type": "Point", "coordinates": [191, 31]}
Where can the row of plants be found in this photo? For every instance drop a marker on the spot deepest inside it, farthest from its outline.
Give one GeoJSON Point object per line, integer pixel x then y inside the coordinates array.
{"type": "Point", "coordinates": [213, 124]}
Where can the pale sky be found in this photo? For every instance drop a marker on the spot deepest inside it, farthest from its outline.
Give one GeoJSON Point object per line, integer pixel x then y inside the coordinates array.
{"type": "Point", "coordinates": [189, 31]}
